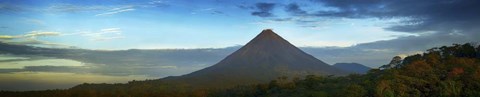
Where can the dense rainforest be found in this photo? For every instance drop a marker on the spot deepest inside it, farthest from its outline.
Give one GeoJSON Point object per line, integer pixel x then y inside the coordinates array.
{"type": "Point", "coordinates": [447, 71]}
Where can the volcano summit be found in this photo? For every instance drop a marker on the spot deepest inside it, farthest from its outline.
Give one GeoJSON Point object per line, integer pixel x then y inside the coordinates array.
{"type": "Point", "coordinates": [265, 58]}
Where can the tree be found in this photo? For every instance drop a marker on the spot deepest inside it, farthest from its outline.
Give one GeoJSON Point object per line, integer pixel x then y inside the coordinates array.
{"type": "Point", "coordinates": [383, 89]}
{"type": "Point", "coordinates": [410, 59]}
{"type": "Point", "coordinates": [354, 90]}
{"type": "Point", "coordinates": [478, 52]}
{"type": "Point", "coordinates": [451, 88]}
{"type": "Point", "coordinates": [467, 50]}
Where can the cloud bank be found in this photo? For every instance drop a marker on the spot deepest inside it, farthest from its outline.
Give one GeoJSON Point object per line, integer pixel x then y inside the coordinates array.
{"type": "Point", "coordinates": [430, 23]}
{"type": "Point", "coordinates": [264, 9]}
{"type": "Point", "coordinates": [31, 38]}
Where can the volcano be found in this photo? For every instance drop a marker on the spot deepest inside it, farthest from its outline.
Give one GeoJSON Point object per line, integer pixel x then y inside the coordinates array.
{"type": "Point", "coordinates": [265, 58]}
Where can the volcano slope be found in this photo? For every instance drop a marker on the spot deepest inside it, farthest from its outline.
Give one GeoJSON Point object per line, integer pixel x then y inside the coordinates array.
{"type": "Point", "coordinates": [266, 57]}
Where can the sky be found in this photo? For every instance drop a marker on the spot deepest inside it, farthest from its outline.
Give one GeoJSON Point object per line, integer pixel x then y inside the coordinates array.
{"type": "Point", "coordinates": [369, 32]}
{"type": "Point", "coordinates": [160, 24]}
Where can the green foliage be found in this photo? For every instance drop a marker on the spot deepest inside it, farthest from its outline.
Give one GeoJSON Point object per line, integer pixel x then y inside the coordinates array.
{"type": "Point", "coordinates": [354, 90]}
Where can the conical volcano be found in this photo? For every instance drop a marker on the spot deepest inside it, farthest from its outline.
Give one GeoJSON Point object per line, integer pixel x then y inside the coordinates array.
{"type": "Point", "coordinates": [263, 59]}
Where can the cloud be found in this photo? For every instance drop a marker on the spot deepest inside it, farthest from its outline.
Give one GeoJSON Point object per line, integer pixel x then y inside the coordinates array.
{"type": "Point", "coordinates": [31, 39]}
{"type": "Point", "coordinates": [282, 19]}
{"type": "Point", "coordinates": [173, 67]}
{"type": "Point", "coordinates": [264, 9]}
{"type": "Point", "coordinates": [110, 30]}
{"type": "Point", "coordinates": [41, 33]}
{"type": "Point", "coordinates": [429, 23]}
{"type": "Point", "coordinates": [106, 34]}
{"type": "Point", "coordinates": [242, 6]}
{"type": "Point", "coordinates": [117, 10]}
{"type": "Point", "coordinates": [213, 11]}
{"type": "Point", "coordinates": [110, 9]}
{"type": "Point", "coordinates": [6, 37]}
{"type": "Point", "coordinates": [29, 81]}
{"type": "Point", "coordinates": [101, 8]}
{"type": "Point", "coordinates": [70, 69]}
{"type": "Point", "coordinates": [419, 16]}
{"type": "Point", "coordinates": [11, 8]}
{"type": "Point", "coordinates": [102, 34]}
{"type": "Point", "coordinates": [36, 42]}
{"type": "Point", "coordinates": [377, 53]}
{"type": "Point", "coordinates": [157, 3]}
{"type": "Point", "coordinates": [100, 69]}
{"type": "Point", "coordinates": [71, 8]}
{"type": "Point", "coordinates": [35, 22]}
{"type": "Point", "coordinates": [107, 38]}
{"type": "Point", "coordinates": [294, 9]}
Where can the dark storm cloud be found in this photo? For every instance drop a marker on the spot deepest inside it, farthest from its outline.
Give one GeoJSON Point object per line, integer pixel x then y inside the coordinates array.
{"type": "Point", "coordinates": [264, 9]}
{"type": "Point", "coordinates": [433, 23]}
{"type": "Point", "coordinates": [294, 9]}
{"type": "Point", "coordinates": [444, 21]}
{"type": "Point", "coordinates": [424, 15]}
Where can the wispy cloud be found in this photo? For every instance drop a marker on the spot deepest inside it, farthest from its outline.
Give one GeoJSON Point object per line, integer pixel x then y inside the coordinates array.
{"type": "Point", "coordinates": [32, 21]}
{"type": "Point", "coordinates": [31, 39]}
{"type": "Point", "coordinates": [6, 37]}
{"type": "Point", "coordinates": [133, 7]}
{"type": "Point", "coordinates": [157, 3]}
{"type": "Point", "coordinates": [97, 9]}
{"type": "Point", "coordinates": [31, 34]}
{"type": "Point", "coordinates": [34, 34]}
{"type": "Point", "coordinates": [11, 8]}
{"type": "Point", "coordinates": [213, 11]}
{"type": "Point", "coordinates": [101, 35]}
{"type": "Point", "coordinates": [106, 34]}
{"type": "Point", "coordinates": [71, 8]}
{"type": "Point", "coordinates": [116, 11]}
{"type": "Point", "coordinates": [36, 42]}
{"type": "Point", "coordinates": [172, 67]}
{"type": "Point", "coordinates": [111, 30]}
{"type": "Point", "coordinates": [107, 38]}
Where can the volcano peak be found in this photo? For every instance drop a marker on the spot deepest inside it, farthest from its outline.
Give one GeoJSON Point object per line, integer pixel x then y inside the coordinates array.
{"type": "Point", "coordinates": [267, 34]}
{"type": "Point", "coordinates": [264, 58]}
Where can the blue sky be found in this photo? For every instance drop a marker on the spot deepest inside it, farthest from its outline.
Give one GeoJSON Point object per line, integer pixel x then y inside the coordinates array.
{"type": "Point", "coordinates": [154, 24]}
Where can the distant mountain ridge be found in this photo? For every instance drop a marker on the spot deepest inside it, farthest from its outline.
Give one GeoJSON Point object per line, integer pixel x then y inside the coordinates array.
{"type": "Point", "coordinates": [352, 67]}
{"type": "Point", "coordinates": [263, 59]}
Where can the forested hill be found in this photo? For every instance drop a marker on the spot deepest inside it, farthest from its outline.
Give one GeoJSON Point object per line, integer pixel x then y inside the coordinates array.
{"type": "Point", "coordinates": [448, 71]}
